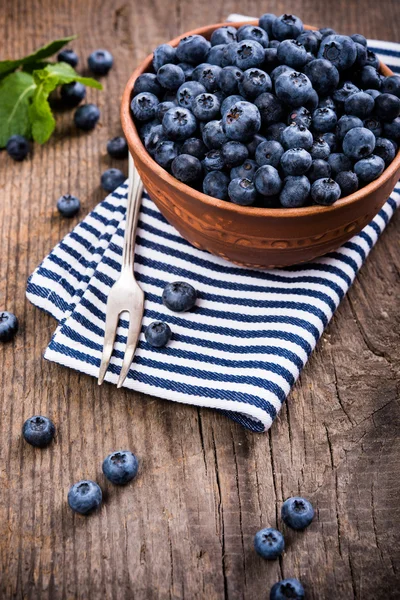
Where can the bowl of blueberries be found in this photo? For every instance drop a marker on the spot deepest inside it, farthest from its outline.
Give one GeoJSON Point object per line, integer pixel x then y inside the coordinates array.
{"type": "Point", "coordinates": [267, 143]}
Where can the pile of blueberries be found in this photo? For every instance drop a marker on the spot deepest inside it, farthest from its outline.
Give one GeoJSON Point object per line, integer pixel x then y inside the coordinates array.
{"type": "Point", "coordinates": [270, 116]}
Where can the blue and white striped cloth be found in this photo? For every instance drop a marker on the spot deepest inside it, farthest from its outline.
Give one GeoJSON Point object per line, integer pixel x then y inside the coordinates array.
{"type": "Point", "coordinates": [243, 346]}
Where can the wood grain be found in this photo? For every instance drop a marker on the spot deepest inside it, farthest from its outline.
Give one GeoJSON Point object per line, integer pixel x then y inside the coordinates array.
{"type": "Point", "coordinates": [184, 529]}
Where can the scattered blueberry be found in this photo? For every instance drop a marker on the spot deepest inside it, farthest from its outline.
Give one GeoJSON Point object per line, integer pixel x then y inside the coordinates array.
{"type": "Point", "coordinates": [297, 512]}
{"type": "Point", "coordinates": [72, 94]}
{"type": "Point", "coordinates": [8, 326]}
{"type": "Point", "coordinates": [86, 117]}
{"type": "Point", "coordinates": [269, 543]}
{"type": "Point", "coordinates": [179, 296]}
{"type": "Point", "coordinates": [287, 588]}
{"type": "Point", "coordinates": [111, 179]}
{"type": "Point", "coordinates": [17, 147]}
{"type": "Point", "coordinates": [122, 466]}
{"type": "Point", "coordinates": [68, 56]}
{"type": "Point", "coordinates": [117, 147]}
{"type": "Point", "coordinates": [68, 205]}
{"type": "Point", "coordinates": [38, 431]}
{"type": "Point", "coordinates": [100, 62]}
{"type": "Point", "coordinates": [85, 496]}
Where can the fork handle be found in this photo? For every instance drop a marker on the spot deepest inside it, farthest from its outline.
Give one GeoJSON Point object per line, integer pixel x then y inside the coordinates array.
{"type": "Point", "coordinates": [135, 190]}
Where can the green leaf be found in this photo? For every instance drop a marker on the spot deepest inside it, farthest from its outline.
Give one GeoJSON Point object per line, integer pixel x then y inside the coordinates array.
{"type": "Point", "coordinates": [16, 91]}
{"type": "Point", "coordinates": [40, 115]}
{"type": "Point", "coordinates": [8, 66]}
{"type": "Point", "coordinates": [61, 73]}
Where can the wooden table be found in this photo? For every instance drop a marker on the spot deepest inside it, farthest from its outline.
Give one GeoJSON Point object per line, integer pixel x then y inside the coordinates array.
{"type": "Point", "coordinates": [185, 528]}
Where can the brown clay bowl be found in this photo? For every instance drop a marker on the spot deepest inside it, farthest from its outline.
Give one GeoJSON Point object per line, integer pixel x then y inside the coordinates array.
{"type": "Point", "coordinates": [254, 237]}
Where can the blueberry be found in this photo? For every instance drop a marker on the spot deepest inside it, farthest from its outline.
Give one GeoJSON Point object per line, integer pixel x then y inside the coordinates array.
{"type": "Point", "coordinates": [331, 140]}
{"type": "Point", "coordinates": [223, 35]}
{"type": "Point", "coordinates": [229, 55]}
{"type": "Point", "coordinates": [208, 75]}
{"type": "Point", "coordinates": [248, 54]}
{"type": "Point", "coordinates": [266, 21]}
{"type": "Point", "coordinates": [359, 39]}
{"type": "Point", "coordinates": [171, 77]}
{"type": "Point", "coordinates": [313, 101]}
{"type": "Point", "coordinates": [287, 588]}
{"type": "Point", "coordinates": [242, 121]}
{"type": "Point", "coordinates": [68, 56]}
{"type": "Point", "coordinates": [193, 49]}
{"type": "Point", "coordinates": [68, 205]}
{"type": "Point", "coordinates": [216, 55]}
{"type": "Point", "coordinates": [8, 326]}
{"type": "Point", "coordinates": [295, 191]}
{"type": "Point", "coordinates": [348, 182]}
{"type": "Point", "coordinates": [245, 171]}
{"type": "Point", "coordinates": [309, 40]}
{"type": "Point", "coordinates": [188, 92]}
{"type": "Point", "coordinates": [163, 55]}
{"type": "Point", "coordinates": [345, 123]}
{"type": "Point", "coordinates": [242, 191]}
{"type": "Point", "coordinates": [257, 34]}
{"type": "Point", "coordinates": [144, 106]}
{"type": "Point", "coordinates": [297, 136]}
{"type": "Point", "coordinates": [340, 94]}
{"type": "Point", "coordinates": [323, 75]}
{"type": "Point", "coordinates": [111, 179]}
{"type": "Point", "coordinates": [17, 147]}
{"type": "Point", "coordinates": [296, 161]}
{"type": "Point", "coordinates": [320, 149]}
{"type": "Point", "coordinates": [361, 58]}
{"type": "Point", "coordinates": [392, 130]}
{"type": "Point", "coordinates": [186, 168]}
{"type": "Point", "coordinates": [72, 94]}
{"type": "Point", "coordinates": [301, 116]}
{"type": "Point", "coordinates": [373, 125]}
{"type": "Point", "coordinates": [318, 170]}
{"type": "Point", "coordinates": [163, 107]}
{"type": "Point", "coordinates": [369, 78]}
{"type": "Point", "coordinates": [270, 108]}
{"type": "Point", "coordinates": [229, 102]}
{"type": "Point", "coordinates": [274, 131]}
{"type": "Point", "coordinates": [179, 123]}
{"type": "Point", "coordinates": [100, 62]}
{"type": "Point", "coordinates": [324, 120]}
{"type": "Point", "coordinates": [324, 192]}
{"type": "Point", "coordinates": [229, 78]}
{"type": "Point", "coordinates": [122, 466]}
{"type": "Point", "coordinates": [117, 147]}
{"type": "Point", "coordinates": [269, 153]}
{"type": "Point", "coordinates": [38, 431]}
{"type": "Point", "coordinates": [147, 82]}
{"type": "Point", "coordinates": [165, 153]}
{"type": "Point", "coordinates": [298, 512]}
{"type": "Point", "coordinates": [213, 161]}
{"type": "Point", "coordinates": [373, 93]}
{"type": "Point", "coordinates": [385, 149]}
{"type": "Point", "coordinates": [293, 88]}
{"type": "Point", "coordinates": [187, 69]}
{"type": "Point", "coordinates": [359, 104]}
{"type": "Point", "coordinates": [194, 147]}
{"type": "Point", "coordinates": [287, 27]}
{"type": "Point", "coordinates": [327, 102]}
{"type": "Point", "coordinates": [271, 60]}
{"type": "Point", "coordinates": [269, 543]}
{"type": "Point", "coordinates": [254, 143]}
{"type": "Point", "coordinates": [206, 107]}
{"type": "Point", "coordinates": [339, 162]}
{"type": "Point", "coordinates": [267, 181]}
{"type": "Point", "coordinates": [179, 296]}
{"type": "Point", "coordinates": [372, 59]}
{"type": "Point", "coordinates": [145, 129]}
{"type": "Point", "coordinates": [368, 169]}
{"type": "Point", "coordinates": [215, 184]}
{"type": "Point", "coordinates": [292, 53]}
{"type": "Point", "coordinates": [234, 154]}
{"type": "Point", "coordinates": [339, 49]}
{"type": "Point", "coordinates": [278, 71]}
{"type": "Point", "coordinates": [325, 31]}
{"type": "Point", "coordinates": [387, 107]}
{"type": "Point", "coordinates": [253, 83]}
{"type": "Point", "coordinates": [85, 496]}
{"type": "Point", "coordinates": [391, 85]}
{"type": "Point", "coordinates": [358, 143]}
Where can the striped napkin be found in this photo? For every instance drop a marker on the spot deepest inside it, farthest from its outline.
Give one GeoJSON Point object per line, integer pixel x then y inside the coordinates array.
{"type": "Point", "coordinates": [240, 350]}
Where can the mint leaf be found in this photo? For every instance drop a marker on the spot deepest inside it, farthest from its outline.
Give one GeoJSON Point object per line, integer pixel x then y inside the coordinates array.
{"type": "Point", "coordinates": [47, 80]}
{"type": "Point", "coordinates": [16, 91]}
{"type": "Point", "coordinates": [8, 66]}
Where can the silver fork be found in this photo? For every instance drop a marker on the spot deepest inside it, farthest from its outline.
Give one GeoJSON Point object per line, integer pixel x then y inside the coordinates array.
{"type": "Point", "coordinates": [125, 294]}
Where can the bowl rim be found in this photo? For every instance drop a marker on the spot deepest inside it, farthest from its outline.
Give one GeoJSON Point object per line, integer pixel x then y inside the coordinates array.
{"type": "Point", "coordinates": [135, 142]}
